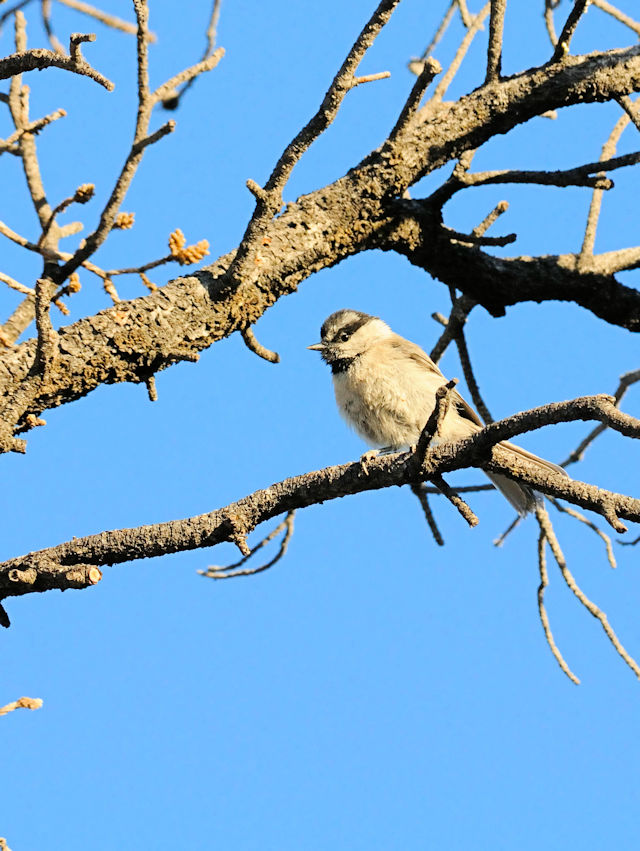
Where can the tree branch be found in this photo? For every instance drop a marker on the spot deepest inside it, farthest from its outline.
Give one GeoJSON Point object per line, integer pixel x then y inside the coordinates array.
{"type": "Point", "coordinates": [70, 564]}
{"type": "Point", "coordinates": [353, 214]}
{"type": "Point", "coordinates": [39, 58]}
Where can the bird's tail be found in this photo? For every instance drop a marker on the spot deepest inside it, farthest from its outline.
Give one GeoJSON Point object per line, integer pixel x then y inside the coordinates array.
{"type": "Point", "coordinates": [521, 497]}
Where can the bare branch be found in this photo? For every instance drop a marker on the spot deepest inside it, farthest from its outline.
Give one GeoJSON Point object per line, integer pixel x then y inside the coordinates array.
{"type": "Point", "coordinates": [618, 15]}
{"type": "Point", "coordinates": [142, 139]}
{"type": "Point", "coordinates": [15, 285]}
{"type": "Point", "coordinates": [452, 70]}
{"type": "Point", "coordinates": [75, 40]}
{"type": "Point", "coordinates": [18, 322]}
{"type": "Point", "coordinates": [549, 6]}
{"type": "Point", "coordinates": [232, 570]}
{"type": "Point", "coordinates": [494, 51]}
{"type": "Point", "coordinates": [562, 47]}
{"type": "Point", "coordinates": [470, 378]}
{"type": "Point", "coordinates": [431, 67]}
{"type": "Point", "coordinates": [270, 202]}
{"type": "Point", "coordinates": [442, 28]}
{"type": "Point", "coordinates": [467, 18]}
{"type": "Point", "coordinates": [257, 348]}
{"type": "Point", "coordinates": [168, 89]}
{"type": "Point", "coordinates": [626, 381]}
{"type": "Point", "coordinates": [630, 108]}
{"type": "Point", "coordinates": [421, 492]}
{"type": "Point", "coordinates": [47, 343]}
{"type": "Point", "coordinates": [38, 58]}
{"type": "Point", "coordinates": [500, 208]}
{"type": "Point", "coordinates": [579, 176]}
{"type": "Point", "coordinates": [61, 566]}
{"type": "Point", "coordinates": [21, 703]}
{"type": "Point", "coordinates": [433, 426]}
{"type": "Point", "coordinates": [33, 127]}
{"type": "Point", "coordinates": [460, 310]}
{"type": "Point", "coordinates": [371, 78]}
{"type": "Point", "coordinates": [456, 500]}
{"type": "Point", "coordinates": [473, 239]}
{"type": "Point", "coordinates": [544, 619]}
{"type": "Point", "coordinates": [172, 100]}
{"type": "Point", "coordinates": [104, 17]}
{"type": "Point", "coordinates": [45, 11]}
{"type": "Point", "coordinates": [547, 529]}
{"type": "Point", "coordinates": [564, 509]}
{"type": "Point", "coordinates": [608, 150]}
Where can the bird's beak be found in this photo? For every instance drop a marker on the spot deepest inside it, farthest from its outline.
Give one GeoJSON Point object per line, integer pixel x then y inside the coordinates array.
{"type": "Point", "coordinates": [317, 347]}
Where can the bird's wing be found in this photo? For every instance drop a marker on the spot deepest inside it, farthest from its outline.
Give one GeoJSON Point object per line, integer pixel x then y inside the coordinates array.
{"type": "Point", "coordinates": [420, 357]}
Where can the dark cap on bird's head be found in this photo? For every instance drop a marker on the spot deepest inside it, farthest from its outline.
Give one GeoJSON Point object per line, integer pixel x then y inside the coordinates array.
{"type": "Point", "coordinates": [340, 326]}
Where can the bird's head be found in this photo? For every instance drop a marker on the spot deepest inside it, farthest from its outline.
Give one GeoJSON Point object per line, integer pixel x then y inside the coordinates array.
{"type": "Point", "coordinates": [347, 334]}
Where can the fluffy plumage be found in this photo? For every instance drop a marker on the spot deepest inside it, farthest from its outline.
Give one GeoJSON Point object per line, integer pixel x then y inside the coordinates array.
{"type": "Point", "coordinates": [385, 389]}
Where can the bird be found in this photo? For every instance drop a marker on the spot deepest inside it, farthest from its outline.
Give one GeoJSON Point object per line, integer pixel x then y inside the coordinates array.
{"type": "Point", "coordinates": [385, 388]}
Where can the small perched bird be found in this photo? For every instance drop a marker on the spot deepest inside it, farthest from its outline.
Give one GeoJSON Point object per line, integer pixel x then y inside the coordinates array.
{"type": "Point", "coordinates": [385, 389]}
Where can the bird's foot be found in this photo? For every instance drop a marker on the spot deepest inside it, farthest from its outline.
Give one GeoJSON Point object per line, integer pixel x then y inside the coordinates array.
{"type": "Point", "coordinates": [375, 453]}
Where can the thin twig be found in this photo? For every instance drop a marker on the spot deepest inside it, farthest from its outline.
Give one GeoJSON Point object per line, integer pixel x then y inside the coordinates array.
{"type": "Point", "coordinates": [15, 285]}
{"type": "Point", "coordinates": [593, 216]}
{"type": "Point", "coordinates": [45, 11]}
{"type": "Point", "coordinates": [421, 492]}
{"type": "Point", "coordinates": [630, 108]}
{"type": "Point", "coordinates": [8, 13]}
{"type": "Point", "coordinates": [104, 17]}
{"type": "Point", "coordinates": [544, 619]}
{"type": "Point", "coordinates": [257, 348]}
{"type": "Point", "coordinates": [579, 176]}
{"type": "Point", "coordinates": [269, 201]}
{"type": "Point", "coordinates": [470, 378]}
{"type": "Point", "coordinates": [618, 15]}
{"type": "Point", "coordinates": [467, 17]}
{"type": "Point", "coordinates": [499, 541]}
{"type": "Point", "coordinates": [172, 100]}
{"type": "Point", "coordinates": [494, 51]}
{"type": "Point", "coordinates": [472, 239]}
{"type": "Point", "coordinates": [564, 509]}
{"type": "Point", "coordinates": [21, 703]}
{"type": "Point", "coordinates": [141, 140]}
{"type": "Point", "coordinates": [433, 426]}
{"type": "Point", "coordinates": [562, 47]}
{"type": "Point", "coordinates": [429, 71]}
{"type": "Point", "coordinates": [460, 310]}
{"type": "Point", "coordinates": [231, 571]}
{"type": "Point", "coordinates": [33, 127]}
{"type": "Point", "coordinates": [456, 500]}
{"type": "Point", "coordinates": [500, 208]}
{"type": "Point", "coordinates": [18, 322]}
{"type": "Point", "coordinates": [442, 28]}
{"type": "Point", "coordinates": [549, 6]}
{"type": "Point", "coordinates": [577, 455]}
{"type": "Point", "coordinates": [136, 270]}
{"type": "Point", "coordinates": [452, 70]}
{"type": "Point", "coordinates": [547, 529]}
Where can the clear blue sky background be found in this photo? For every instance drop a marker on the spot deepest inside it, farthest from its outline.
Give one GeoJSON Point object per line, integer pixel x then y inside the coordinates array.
{"type": "Point", "coordinates": [372, 691]}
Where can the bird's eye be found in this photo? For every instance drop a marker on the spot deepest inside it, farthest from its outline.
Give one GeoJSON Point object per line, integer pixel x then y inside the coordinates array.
{"type": "Point", "coordinates": [343, 336]}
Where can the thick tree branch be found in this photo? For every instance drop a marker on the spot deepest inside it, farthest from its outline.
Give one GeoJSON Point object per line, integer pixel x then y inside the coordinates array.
{"type": "Point", "coordinates": [353, 214]}
{"type": "Point", "coordinates": [498, 282]}
{"type": "Point", "coordinates": [71, 562]}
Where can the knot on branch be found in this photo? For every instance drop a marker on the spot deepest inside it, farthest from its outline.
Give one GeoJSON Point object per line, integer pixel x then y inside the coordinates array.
{"type": "Point", "coordinates": [75, 40]}
{"type": "Point", "coordinates": [238, 532]}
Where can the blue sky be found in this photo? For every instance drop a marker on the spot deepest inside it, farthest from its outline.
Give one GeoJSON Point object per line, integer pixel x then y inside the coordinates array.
{"type": "Point", "coordinates": [371, 691]}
